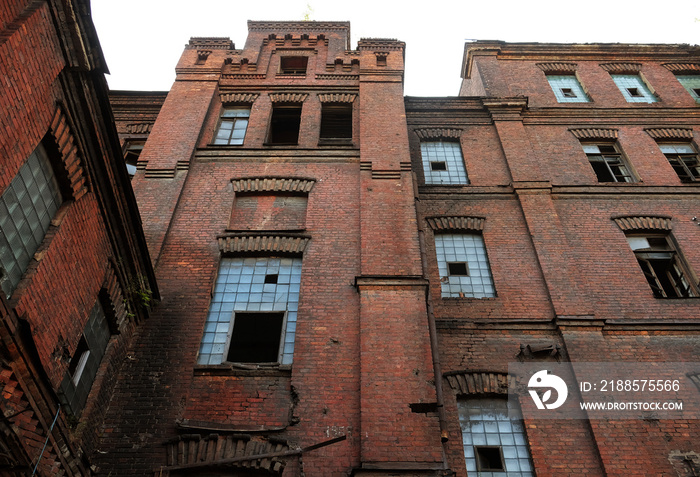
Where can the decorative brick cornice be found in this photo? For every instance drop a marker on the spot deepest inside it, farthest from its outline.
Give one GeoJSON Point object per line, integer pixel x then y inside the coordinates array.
{"type": "Point", "coordinates": [683, 68]}
{"type": "Point", "coordinates": [426, 134]}
{"type": "Point", "coordinates": [273, 184]}
{"type": "Point", "coordinates": [70, 157]}
{"type": "Point", "coordinates": [622, 68]}
{"type": "Point", "coordinates": [448, 224]}
{"type": "Point", "coordinates": [139, 128]}
{"type": "Point", "coordinates": [239, 98]}
{"type": "Point", "coordinates": [660, 134]}
{"type": "Point", "coordinates": [557, 68]}
{"type": "Point", "coordinates": [192, 451]}
{"type": "Point", "coordinates": [478, 382]}
{"type": "Point", "coordinates": [218, 43]}
{"type": "Point", "coordinates": [594, 133]}
{"type": "Point", "coordinates": [639, 223]}
{"type": "Point", "coordinates": [337, 97]}
{"type": "Point", "coordinates": [380, 44]}
{"type": "Point", "coordinates": [263, 243]}
{"type": "Point", "coordinates": [288, 97]}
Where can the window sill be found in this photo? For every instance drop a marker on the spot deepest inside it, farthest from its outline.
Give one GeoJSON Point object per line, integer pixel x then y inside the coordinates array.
{"type": "Point", "coordinates": [336, 142]}
{"type": "Point", "coordinates": [244, 369]}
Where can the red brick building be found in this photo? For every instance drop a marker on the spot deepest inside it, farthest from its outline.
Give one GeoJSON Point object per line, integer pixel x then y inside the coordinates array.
{"type": "Point", "coordinates": [74, 271]}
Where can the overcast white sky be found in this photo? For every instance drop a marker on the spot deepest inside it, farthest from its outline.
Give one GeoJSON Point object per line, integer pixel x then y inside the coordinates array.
{"type": "Point", "coordinates": [143, 39]}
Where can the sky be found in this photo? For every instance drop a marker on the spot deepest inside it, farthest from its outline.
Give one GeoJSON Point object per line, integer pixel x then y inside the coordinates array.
{"type": "Point", "coordinates": [142, 40]}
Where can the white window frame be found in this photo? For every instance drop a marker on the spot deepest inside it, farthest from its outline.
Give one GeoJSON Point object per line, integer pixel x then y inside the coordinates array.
{"type": "Point", "coordinates": [626, 83]}
{"type": "Point", "coordinates": [453, 248]}
{"type": "Point", "coordinates": [449, 152]}
{"type": "Point", "coordinates": [560, 82]}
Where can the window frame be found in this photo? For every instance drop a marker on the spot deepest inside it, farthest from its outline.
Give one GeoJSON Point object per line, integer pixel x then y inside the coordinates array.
{"type": "Point", "coordinates": [685, 277]}
{"type": "Point", "coordinates": [234, 120]}
{"type": "Point", "coordinates": [475, 258]}
{"type": "Point", "coordinates": [625, 82]}
{"type": "Point", "coordinates": [688, 176]}
{"type": "Point", "coordinates": [280, 115]}
{"type": "Point", "coordinates": [686, 83]}
{"type": "Point", "coordinates": [560, 82]}
{"type": "Point", "coordinates": [615, 159]}
{"type": "Point", "coordinates": [286, 70]}
{"type": "Point", "coordinates": [338, 112]}
{"type": "Point", "coordinates": [445, 151]}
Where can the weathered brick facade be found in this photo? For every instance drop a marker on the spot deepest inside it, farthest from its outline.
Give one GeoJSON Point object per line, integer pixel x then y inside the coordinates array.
{"type": "Point", "coordinates": [69, 261]}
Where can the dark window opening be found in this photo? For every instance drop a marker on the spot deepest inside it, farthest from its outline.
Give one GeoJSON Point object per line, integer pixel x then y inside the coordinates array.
{"type": "Point", "coordinates": [607, 163]}
{"type": "Point", "coordinates": [568, 93]}
{"type": "Point", "coordinates": [381, 60]}
{"type": "Point", "coordinates": [293, 65]}
{"type": "Point", "coordinates": [438, 166]}
{"type": "Point", "coordinates": [336, 121]}
{"type": "Point", "coordinates": [696, 91]}
{"type": "Point", "coordinates": [489, 459]}
{"type": "Point", "coordinates": [284, 125]}
{"type": "Point", "coordinates": [662, 267]}
{"type": "Point", "coordinates": [634, 92]}
{"type": "Point", "coordinates": [77, 363]}
{"type": "Point", "coordinates": [684, 161]}
{"type": "Point", "coordinates": [256, 338]}
{"type": "Point", "coordinates": [271, 278]}
{"type": "Point", "coordinates": [132, 151]}
{"type": "Point", "coordinates": [458, 268]}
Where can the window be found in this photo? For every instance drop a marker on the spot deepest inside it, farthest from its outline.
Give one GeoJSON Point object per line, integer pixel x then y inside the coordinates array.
{"type": "Point", "coordinates": [232, 126]}
{"type": "Point", "coordinates": [608, 163]}
{"type": "Point", "coordinates": [336, 122]}
{"type": "Point", "coordinates": [684, 160]}
{"type": "Point", "coordinates": [284, 125]}
{"type": "Point", "coordinates": [252, 317]}
{"type": "Point", "coordinates": [132, 151]}
{"type": "Point", "coordinates": [692, 84]}
{"type": "Point", "coordinates": [634, 89]}
{"type": "Point", "coordinates": [463, 266]}
{"type": "Point", "coordinates": [493, 438]}
{"type": "Point", "coordinates": [567, 89]}
{"type": "Point", "coordinates": [86, 360]}
{"type": "Point", "coordinates": [663, 268]}
{"type": "Point", "coordinates": [443, 163]}
{"type": "Point", "coordinates": [293, 65]}
{"type": "Point", "coordinates": [26, 209]}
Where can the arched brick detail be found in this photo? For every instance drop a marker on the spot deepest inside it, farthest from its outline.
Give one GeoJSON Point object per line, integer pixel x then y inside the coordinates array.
{"type": "Point", "coordinates": [683, 134]}
{"type": "Point", "coordinates": [683, 68]}
{"type": "Point", "coordinates": [465, 383]}
{"type": "Point", "coordinates": [631, 224]}
{"type": "Point", "coordinates": [448, 224]}
{"type": "Point", "coordinates": [239, 98]}
{"type": "Point", "coordinates": [288, 97]}
{"type": "Point", "coordinates": [337, 97]}
{"type": "Point", "coordinates": [557, 68]}
{"type": "Point", "coordinates": [70, 156]}
{"type": "Point", "coordinates": [263, 243]}
{"type": "Point", "coordinates": [427, 134]}
{"type": "Point", "coordinates": [273, 184]}
{"type": "Point", "coordinates": [191, 451]}
{"type": "Point", "coordinates": [594, 133]}
{"type": "Point", "coordinates": [622, 68]}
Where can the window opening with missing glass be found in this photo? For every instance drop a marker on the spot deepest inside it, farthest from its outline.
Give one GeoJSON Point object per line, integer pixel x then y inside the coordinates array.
{"type": "Point", "coordinates": [463, 266]}
{"type": "Point", "coordinates": [608, 163]}
{"type": "Point", "coordinates": [634, 89]}
{"type": "Point", "coordinates": [443, 163]}
{"type": "Point", "coordinates": [26, 208]}
{"type": "Point", "coordinates": [665, 271]}
{"type": "Point", "coordinates": [232, 126]}
{"type": "Point", "coordinates": [336, 121]}
{"type": "Point", "coordinates": [253, 312]}
{"type": "Point", "coordinates": [293, 65]}
{"type": "Point", "coordinates": [684, 160]}
{"type": "Point", "coordinates": [285, 124]}
{"type": "Point", "coordinates": [567, 89]}
{"type": "Point", "coordinates": [493, 438]}
{"type": "Point", "coordinates": [132, 152]}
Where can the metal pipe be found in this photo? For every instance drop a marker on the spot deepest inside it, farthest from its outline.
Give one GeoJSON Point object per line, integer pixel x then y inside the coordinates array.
{"type": "Point", "coordinates": [48, 436]}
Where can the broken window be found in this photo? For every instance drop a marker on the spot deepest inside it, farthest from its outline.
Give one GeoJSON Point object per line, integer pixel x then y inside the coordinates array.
{"type": "Point", "coordinates": [608, 163]}
{"type": "Point", "coordinates": [634, 89]}
{"type": "Point", "coordinates": [27, 206]}
{"type": "Point", "coordinates": [443, 163]}
{"type": "Point", "coordinates": [132, 151]}
{"type": "Point", "coordinates": [493, 437]}
{"type": "Point", "coordinates": [85, 363]}
{"type": "Point", "coordinates": [567, 89]}
{"type": "Point", "coordinates": [336, 121]}
{"type": "Point", "coordinates": [253, 312]}
{"type": "Point", "coordinates": [232, 126]}
{"type": "Point", "coordinates": [293, 65]}
{"type": "Point", "coordinates": [684, 159]}
{"type": "Point", "coordinates": [284, 125]}
{"type": "Point", "coordinates": [691, 83]}
{"type": "Point", "coordinates": [463, 266]}
{"type": "Point", "coordinates": [666, 272]}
